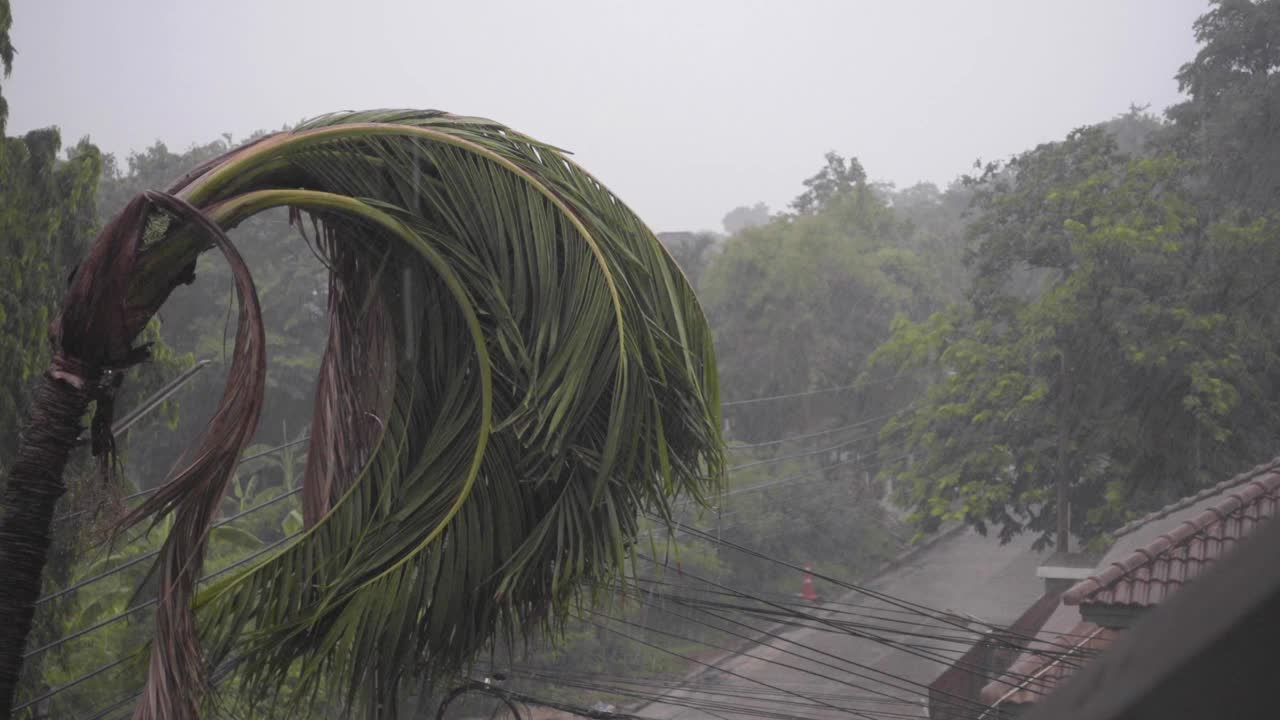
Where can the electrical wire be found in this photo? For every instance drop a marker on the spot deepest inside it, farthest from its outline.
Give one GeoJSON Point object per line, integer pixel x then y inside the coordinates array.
{"type": "Point", "coordinates": [861, 423]}
{"type": "Point", "coordinates": [740, 490]}
{"type": "Point", "coordinates": [718, 669]}
{"type": "Point", "coordinates": [912, 617]}
{"type": "Point", "coordinates": [883, 597]}
{"type": "Point", "coordinates": [867, 636]}
{"type": "Point", "coordinates": [810, 648]}
{"type": "Point", "coordinates": [794, 456]}
{"type": "Point", "coordinates": [153, 553]}
{"type": "Point", "coordinates": [73, 683]}
{"type": "Point", "coordinates": [859, 631]}
{"type": "Point", "coordinates": [819, 391]}
{"type": "Point", "coordinates": [149, 491]}
{"type": "Point", "coordinates": [153, 601]}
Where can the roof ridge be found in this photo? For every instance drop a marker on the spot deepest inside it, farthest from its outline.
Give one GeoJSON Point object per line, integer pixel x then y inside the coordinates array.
{"type": "Point", "coordinates": [1205, 494]}
{"type": "Point", "coordinates": [1183, 533]}
{"type": "Point", "coordinates": [1039, 665]}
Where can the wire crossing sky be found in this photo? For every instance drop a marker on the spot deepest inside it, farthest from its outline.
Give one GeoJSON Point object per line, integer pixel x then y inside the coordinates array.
{"type": "Point", "coordinates": [686, 108]}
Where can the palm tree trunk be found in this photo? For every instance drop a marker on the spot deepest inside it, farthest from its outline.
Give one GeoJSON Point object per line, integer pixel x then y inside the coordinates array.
{"type": "Point", "coordinates": [26, 515]}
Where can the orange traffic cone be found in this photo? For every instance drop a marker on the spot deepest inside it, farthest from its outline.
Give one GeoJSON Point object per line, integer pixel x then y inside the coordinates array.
{"type": "Point", "coordinates": [807, 589]}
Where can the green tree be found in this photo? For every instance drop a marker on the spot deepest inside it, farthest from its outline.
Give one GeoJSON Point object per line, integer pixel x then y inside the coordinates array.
{"type": "Point", "coordinates": [1227, 124]}
{"type": "Point", "coordinates": [691, 251]}
{"type": "Point", "coordinates": [743, 217]}
{"type": "Point", "coordinates": [1116, 350]}
{"type": "Point", "coordinates": [515, 368]}
{"type": "Point", "coordinates": [1136, 132]}
{"type": "Point", "coordinates": [800, 303]}
{"type": "Point", "coordinates": [935, 229]}
{"type": "Point", "coordinates": [6, 56]}
{"type": "Point", "coordinates": [836, 179]}
{"type": "Point", "coordinates": [46, 212]}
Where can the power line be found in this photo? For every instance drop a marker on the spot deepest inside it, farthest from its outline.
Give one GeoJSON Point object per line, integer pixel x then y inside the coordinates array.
{"type": "Point", "coordinates": [930, 614]}
{"type": "Point", "coordinates": [148, 555]}
{"type": "Point", "coordinates": [908, 607]}
{"type": "Point", "coordinates": [809, 476]}
{"type": "Point", "coordinates": [785, 639]}
{"type": "Point", "coordinates": [120, 616]}
{"type": "Point", "coordinates": [702, 685]}
{"type": "Point", "coordinates": [144, 493]}
{"type": "Point", "coordinates": [278, 498]}
{"type": "Point", "coordinates": [592, 682]}
{"type": "Point", "coordinates": [719, 669]}
{"type": "Point", "coordinates": [709, 706]}
{"type": "Point", "coordinates": [860, 630]}
{"type": "Point", "coordinates": [219, 675]}
{"type": "Point", "coordinates": [913, 617]}
{"type": "Point", "coordinates": [134, 561]}
{"type": "Point", "coordinates": [806, 393]}
{"type": "Point", "coordinates": [869, 668]}
{"type": "Point", "coordinates": [916, 623]}
{"type": "Point", "coordinates": [68, 685]}
{"type": "Point", "coordinates": [794, 456]}
{"type": "Point", "coordinates": [882, 597]}
{"type": "Point", "coordinates": [858, 463]}
{"type": "Point", "coordinates": [810, 659]}
{"type": "Point", "coordinates": [860, 423]}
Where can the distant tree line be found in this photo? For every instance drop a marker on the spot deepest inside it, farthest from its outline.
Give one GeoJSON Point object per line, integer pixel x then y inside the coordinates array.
{"type": "Point", "coordinates": [1090, 324]}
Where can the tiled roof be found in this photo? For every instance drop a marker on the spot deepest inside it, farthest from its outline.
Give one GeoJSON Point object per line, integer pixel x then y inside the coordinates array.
{"type": "Point", "coordinates": [952, 694]}
{"type": "Point", "coordinates": [1188, 501]}
{"type": "Point", "coordinates": [1151, 558]}
{"type": "Point", "coordinates": [1035, 675]}
{"type": "Point", "coordinates": [1149, 574]}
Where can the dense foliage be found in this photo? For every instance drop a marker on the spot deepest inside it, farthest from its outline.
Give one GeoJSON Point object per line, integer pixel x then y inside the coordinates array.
{"type": "Point", "coordinates": [1114, 339]}
{"type": "Point", "coordinates": [1118, 346]}
{"type": "Point", "coordinates": [799, 303]}
{"type": "Point", "coordinates": [46, 215]}
{"type": "Point", "coordinates": [1227, 126]}
{"type": "Point", "coordinates": [6, 56]}
{"type": "Point", "coordinates": [1097, 316]}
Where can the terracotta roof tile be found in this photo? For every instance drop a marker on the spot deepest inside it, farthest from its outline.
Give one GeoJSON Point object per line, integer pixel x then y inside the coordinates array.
{"type": "Point", "coordinates": [1035, 675]}
{"type": "Point", "coordinates": [1149, 574]}
{"type": "Point", "coordinates": [1186, 502]}
{"type": "Point", "coordinates": [952, 693]}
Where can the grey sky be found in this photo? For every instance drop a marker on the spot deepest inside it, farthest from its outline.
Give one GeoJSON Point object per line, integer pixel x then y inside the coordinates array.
{"type": "Point", "coordinates": [685, 108]}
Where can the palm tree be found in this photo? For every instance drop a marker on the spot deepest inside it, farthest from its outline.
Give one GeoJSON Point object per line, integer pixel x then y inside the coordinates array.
{"type": "Point", "coordinates": [515, 370]}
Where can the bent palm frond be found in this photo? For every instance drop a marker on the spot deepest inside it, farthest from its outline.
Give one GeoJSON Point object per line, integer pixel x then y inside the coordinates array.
{"type": "Point", "coordinates": [515, 370]}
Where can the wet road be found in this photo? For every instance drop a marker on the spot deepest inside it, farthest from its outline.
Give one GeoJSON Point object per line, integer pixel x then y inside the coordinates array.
{"type": "Point", "coordinates": [836, 675]}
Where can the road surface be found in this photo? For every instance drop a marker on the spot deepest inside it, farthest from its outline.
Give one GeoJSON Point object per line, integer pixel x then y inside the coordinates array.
{"type": "Point", "coordinates": [836, 675]}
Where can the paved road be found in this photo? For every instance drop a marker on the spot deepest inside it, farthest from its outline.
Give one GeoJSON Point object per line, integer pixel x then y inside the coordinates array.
{"type": "Point", "coordinates": [965, 573]}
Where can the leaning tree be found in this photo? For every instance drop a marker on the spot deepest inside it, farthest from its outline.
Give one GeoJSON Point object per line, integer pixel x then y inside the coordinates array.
{"type": "Point", "coordinates": [515, 371]}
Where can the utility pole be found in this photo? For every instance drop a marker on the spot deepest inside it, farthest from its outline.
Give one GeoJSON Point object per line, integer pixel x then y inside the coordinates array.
{"type": "Point", "coordinates": [1064, 477]}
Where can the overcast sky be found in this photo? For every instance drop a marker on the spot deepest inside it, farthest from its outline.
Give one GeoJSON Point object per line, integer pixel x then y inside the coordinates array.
{"type": "Point", "coordinates": [685, 108]}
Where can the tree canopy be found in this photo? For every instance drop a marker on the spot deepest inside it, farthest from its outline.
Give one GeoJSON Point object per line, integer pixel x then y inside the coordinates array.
{"type": "Point", "coordinates": [1227, 124]}
{"type": "Point", "coordinates": [798, 304]}
{"type": "Point", "coordinates": [7, 52]}
{"type": "Point", "coordinates": [46, 213]}
{"type": "Point", "coordinates": [1118, 342]}
{"type": "Point", "coordinates": [743, 217]}
{"type": "Point", "coordinates": [1116, 338]}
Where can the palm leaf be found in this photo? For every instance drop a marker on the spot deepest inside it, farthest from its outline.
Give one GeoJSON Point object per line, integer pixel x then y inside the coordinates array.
{"type": "Point", "coordinates": [516, 369]}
